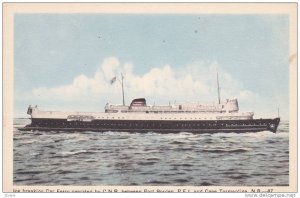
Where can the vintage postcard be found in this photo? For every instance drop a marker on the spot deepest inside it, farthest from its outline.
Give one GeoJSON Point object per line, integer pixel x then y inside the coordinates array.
{"type": "Point", "coordinates": [150, 97]}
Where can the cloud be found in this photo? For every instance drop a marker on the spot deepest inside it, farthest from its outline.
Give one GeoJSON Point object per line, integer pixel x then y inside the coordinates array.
{"type": "Point", "coordinates": [195, 83]}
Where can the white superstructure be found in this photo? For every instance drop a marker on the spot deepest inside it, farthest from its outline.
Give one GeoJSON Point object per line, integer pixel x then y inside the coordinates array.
{"type": "Point", "coordinates": [138, 110]}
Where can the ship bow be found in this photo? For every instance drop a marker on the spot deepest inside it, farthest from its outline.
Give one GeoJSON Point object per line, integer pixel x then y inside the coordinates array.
{"type": "Point", "coordinates": [274, 124]}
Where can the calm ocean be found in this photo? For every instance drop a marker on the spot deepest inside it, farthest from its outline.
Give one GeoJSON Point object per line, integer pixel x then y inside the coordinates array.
{"type": "Point", "coordinates": [185, 159]}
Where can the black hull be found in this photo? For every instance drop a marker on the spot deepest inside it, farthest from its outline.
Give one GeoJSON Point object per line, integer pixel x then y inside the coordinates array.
{"type": "Point", "coordinates": [144, 126]}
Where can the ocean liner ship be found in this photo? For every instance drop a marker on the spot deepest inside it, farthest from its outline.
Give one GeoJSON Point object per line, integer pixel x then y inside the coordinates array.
{"type": "Point", "coordinates": [140, 117]}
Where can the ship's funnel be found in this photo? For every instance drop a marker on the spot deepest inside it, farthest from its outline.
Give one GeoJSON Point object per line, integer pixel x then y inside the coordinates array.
{"type": "Point", "coordinates": [232, 105]}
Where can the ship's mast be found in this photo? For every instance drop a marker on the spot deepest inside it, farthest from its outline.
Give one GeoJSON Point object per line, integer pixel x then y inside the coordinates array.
{"type": "Point", "coordinates": [219, 98]}
{"type": "Point", "coordinates": [122, 77]}
{"type": "Point", "coordinates": [122, 85]}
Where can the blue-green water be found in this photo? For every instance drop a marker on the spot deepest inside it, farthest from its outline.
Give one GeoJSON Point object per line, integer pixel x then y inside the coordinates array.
{"type": "Point", "coordinates": [186, 159]}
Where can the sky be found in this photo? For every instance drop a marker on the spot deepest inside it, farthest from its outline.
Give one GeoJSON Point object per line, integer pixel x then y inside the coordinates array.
{"type": "Point", "coordinates": [65, 61]}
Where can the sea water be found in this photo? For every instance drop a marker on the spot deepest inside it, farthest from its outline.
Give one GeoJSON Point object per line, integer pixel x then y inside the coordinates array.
{"type": "Point", "coordinates": [116, 158]}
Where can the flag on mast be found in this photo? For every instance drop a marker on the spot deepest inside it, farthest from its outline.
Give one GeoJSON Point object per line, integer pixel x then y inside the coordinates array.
{"type": "Point", "coordinates": [113, 80]}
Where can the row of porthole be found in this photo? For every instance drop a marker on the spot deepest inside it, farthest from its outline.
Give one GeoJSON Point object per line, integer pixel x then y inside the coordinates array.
{"type": "Point", "coordinates": [139, 124]}
{"type": "Point", "coordinates": [164, 118]}
{"type": "Point", "coordinates": [187, 118]}
{"type": "Point", "coordinates": [178, 125]}
{"type": "Point", "coordinates": [203, 125]}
